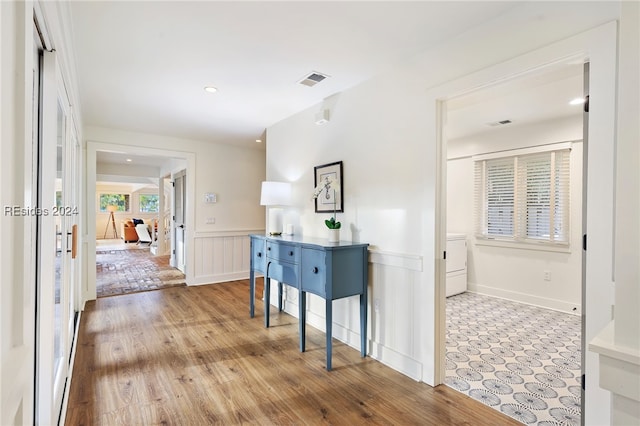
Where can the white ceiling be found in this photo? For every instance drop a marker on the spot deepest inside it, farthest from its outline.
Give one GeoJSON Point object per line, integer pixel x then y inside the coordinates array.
{"type": "Point", "coordinates": [142, 66]}
{"type": "Point", "coordinates": [119, 158]}
{"type": "Point", "coordinates": [538, 96]}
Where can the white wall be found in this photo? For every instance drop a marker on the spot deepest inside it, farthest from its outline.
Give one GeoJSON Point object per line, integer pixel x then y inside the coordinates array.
{"type": "Point", "coordinates": [232, 172]}
{"type": "Point", "coordinates": [518, 273]}
{"type": "Point", "coordinates": [618, 344]}
{"type": "Point", "coordinates": [384, 131]}
{"type": "Point", "coordinates": [110, 169]}
{"type": "Point", "coordinates": [628, 183]}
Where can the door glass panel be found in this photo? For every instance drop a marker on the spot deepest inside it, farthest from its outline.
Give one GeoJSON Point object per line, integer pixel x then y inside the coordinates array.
{"type": "Point", "coordinates": [60, 244]}
{"type": "Point", "coordinates": [179, 199]}
{"type": "Point", "coordinates": [71, 216]}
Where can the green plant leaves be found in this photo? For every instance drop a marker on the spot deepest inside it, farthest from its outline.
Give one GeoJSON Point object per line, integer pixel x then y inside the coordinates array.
{"type": "Point", "coordinates": [332, 224]}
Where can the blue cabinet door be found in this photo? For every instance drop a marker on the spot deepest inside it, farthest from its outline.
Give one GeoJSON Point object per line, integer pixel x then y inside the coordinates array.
{"type": "Point", "coordinates": [258, 255]}
{"type": "Point", "coordinates": [314, 271]}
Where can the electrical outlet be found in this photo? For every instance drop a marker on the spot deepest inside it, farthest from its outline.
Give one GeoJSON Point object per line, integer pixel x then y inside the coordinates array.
{"type": "Point", "coordinates": [211, 220]}
{"type": "Point", "coordinates": [547, 275]}
{"type": "Point", "coordinates": [376, 305]}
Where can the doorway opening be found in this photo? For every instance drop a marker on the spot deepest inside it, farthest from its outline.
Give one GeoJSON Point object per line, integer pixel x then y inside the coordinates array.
{"type": "Point", "coordinates": [514, 256]}
{"type": "Point", "coordinates": [134, 223]}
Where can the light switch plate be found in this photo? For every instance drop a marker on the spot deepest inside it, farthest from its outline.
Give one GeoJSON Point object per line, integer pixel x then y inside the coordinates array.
{"type": "Point", "coordinates": [210, 197]}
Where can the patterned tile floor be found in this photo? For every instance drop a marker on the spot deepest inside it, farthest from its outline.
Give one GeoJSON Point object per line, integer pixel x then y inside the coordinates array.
{"type": "Point", "coordinates": [519, 359]}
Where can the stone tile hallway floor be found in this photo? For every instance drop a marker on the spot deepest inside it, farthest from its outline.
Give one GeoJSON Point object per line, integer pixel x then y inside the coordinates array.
{"type": "Point", "coordinates": [130, 268]}
{"type": "Point", "coordinates": [520, 359]}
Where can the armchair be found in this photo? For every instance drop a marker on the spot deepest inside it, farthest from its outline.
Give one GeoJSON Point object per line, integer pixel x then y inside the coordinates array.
{"type": "Point", "coordinates": [128, 232]}
{"type": "Point", "coordinates": [143, 233]}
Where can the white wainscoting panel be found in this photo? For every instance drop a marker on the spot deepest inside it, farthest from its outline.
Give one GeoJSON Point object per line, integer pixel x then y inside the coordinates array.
{"type": "Point", "coordinates": [222, 256]}
{"type": "Point", "coordinates": [394, 281]}
{"type": "Point", "coordinates": [392, 332]}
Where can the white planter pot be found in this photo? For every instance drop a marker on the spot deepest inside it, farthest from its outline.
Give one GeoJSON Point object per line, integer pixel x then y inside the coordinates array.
{"type": "Point", "coordinates": [334, 235]}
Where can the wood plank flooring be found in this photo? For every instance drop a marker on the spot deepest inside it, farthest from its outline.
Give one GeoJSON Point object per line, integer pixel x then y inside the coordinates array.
{"type": "Point", "coordinates": [192, 356]}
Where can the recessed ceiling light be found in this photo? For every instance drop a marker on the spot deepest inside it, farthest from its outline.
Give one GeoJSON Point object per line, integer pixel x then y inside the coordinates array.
{"type": "Point", "coordinates": [129, 160]}
{"type": "Point", "coordinates": [210, 89]}
{"type": "Point", "coordinates": [259, 140]}
{"type": "Point", "coordinates": [577, 101]}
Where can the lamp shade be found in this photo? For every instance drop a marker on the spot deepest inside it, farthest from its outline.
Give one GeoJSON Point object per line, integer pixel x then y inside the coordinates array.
{"type": "Point", "coordinates": [275, 194]}
{"type": "Point", "coordinates": [112, 208]}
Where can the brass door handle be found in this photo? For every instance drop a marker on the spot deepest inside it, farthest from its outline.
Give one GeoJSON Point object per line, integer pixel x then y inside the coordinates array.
{"type": "Point", "coordinates": [74, 241]}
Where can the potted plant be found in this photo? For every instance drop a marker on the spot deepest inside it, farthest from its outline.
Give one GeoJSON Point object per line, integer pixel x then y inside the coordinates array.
{"type": "Point", "coordinates": [332, 223]}
{"type": "Point", "coordinates": [334, 229]}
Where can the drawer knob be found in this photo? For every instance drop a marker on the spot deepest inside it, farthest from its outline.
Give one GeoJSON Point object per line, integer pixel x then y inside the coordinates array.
{"type": "Point", "coordinates": [290, 253]}
{"type": "Point", "coordinates": [268, 248]}
{"type": "Point", "coordinates": [259, 254]}
{"type": "Point", "coordinates": [315, 270]}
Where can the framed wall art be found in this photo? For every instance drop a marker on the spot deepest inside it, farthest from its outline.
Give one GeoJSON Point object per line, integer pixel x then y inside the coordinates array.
{"type": "Point", "coordinates": [328, 194]}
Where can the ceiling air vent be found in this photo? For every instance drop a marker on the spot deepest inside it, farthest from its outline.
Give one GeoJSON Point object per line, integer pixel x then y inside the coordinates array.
{"type": "Point", "coordinates": [498, 123]}
{"type": "Point", "coordinates": [313, 79]}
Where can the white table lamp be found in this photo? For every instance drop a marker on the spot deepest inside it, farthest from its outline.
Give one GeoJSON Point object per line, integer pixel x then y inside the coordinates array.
{"type": "Point", "coordinates": [275, 195]}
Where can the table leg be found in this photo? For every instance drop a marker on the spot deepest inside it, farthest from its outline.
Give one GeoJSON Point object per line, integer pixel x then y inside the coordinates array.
{"type": "Point", "coordinates": [302, 317]}
{"type": "Point", "coordinates": [329, 333]}
{"type": "Point", "coordinates": [267, 301]}
{"type": "Point", "coordinates": [252, 292]}
{"type": "Point", "coordinates": [279, 296]}
{"type": "Point", "coordinates": [363, 324]}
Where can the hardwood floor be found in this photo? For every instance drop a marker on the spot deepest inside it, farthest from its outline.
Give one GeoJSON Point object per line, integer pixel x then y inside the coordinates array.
{"type": "Point", "coordinates": [192, 356]}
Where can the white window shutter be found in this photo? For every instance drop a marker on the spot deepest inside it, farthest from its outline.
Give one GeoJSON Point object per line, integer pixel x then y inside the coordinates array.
{"type": "Point", "coordinates": [497, 186]}
{"type": "Point", "coordinates": [562, 196]}
{"type": "Point", "coordinates": [534, 206]}
{"type": "Point", "coordinates": [524, 197]}
{"type": "Point", "coordinates": [479, 201]}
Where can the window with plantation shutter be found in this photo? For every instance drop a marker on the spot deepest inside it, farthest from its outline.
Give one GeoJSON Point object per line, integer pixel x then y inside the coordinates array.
{"type": "Point", "coordinates": [523, 197]}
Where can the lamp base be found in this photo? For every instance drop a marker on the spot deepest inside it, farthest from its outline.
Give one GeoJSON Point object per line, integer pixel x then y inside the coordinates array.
{"type": "Point", "coordinates": [275, 221]}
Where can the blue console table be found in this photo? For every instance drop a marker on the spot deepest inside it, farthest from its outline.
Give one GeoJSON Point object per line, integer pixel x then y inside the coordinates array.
{"type": "Point", "coordinates": [329, 270]}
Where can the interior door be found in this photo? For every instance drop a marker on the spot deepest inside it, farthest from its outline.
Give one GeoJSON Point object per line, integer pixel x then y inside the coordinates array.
{"type": "Point", "coordinates": [55, 315]}
{"type": "Point", "coordinates": [18, 310]}
{"type": "Point", "coordinates": [179, 198]}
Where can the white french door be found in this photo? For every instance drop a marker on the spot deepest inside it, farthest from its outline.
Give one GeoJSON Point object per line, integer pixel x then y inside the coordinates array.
{"type": "Point", "coordinates": [57, 193]}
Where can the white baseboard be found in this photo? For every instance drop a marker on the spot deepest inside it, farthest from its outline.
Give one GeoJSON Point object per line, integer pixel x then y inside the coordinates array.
{"type": "Point", "coordinates": [400, 362]}
{"type": "Point", "coordinates": [219, 278]}
{"type": "Point", "coordinates": [341, 333]}
{"type": "Point", "coordinates": [542, 302]}
{"type": "Point", "coordinates": [389, 357]}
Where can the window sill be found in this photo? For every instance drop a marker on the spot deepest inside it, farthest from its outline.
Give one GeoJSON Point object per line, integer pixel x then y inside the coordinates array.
{"type": "Point", "coordinates": [521, 245]}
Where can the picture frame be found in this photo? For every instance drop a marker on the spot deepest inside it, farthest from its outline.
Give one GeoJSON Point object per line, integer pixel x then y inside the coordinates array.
{"type": "Point", "coordinates": [332, 200]}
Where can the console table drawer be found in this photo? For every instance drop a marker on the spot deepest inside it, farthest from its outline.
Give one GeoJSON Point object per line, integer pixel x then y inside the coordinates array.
{"type": "Point", "coordinates": [314, 271]}
{"type": "Point", "coordinates": [283, 251]}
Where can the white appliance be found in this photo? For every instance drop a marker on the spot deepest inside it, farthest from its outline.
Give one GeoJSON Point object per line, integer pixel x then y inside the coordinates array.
{"type": "Point", "coordinates": [456, 264]}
